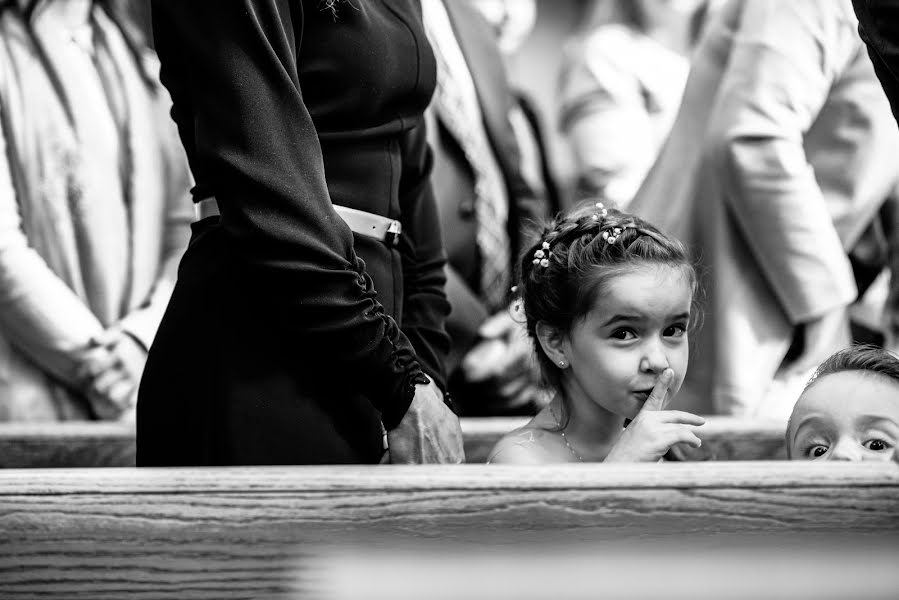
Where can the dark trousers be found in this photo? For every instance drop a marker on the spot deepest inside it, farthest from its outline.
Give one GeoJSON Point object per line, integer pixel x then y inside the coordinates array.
{"type": "Point", "coordinates": [222, 386]}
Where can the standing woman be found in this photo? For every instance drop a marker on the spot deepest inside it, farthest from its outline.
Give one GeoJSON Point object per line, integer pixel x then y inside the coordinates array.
{"type": "Point", "coordinates": [302, 122]}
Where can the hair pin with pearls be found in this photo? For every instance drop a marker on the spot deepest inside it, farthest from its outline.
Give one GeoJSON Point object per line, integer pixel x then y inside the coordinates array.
{"type": "Point", "coordinates": [541, 255]}
{"type": "Point", "coordinates": [610, 236]}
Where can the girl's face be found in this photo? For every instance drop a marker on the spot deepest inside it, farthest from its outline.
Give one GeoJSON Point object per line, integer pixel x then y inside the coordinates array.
{"type": "Point", "coordinates": [851, 415]}
{"type": "Point", "coordinates": [637, 329]}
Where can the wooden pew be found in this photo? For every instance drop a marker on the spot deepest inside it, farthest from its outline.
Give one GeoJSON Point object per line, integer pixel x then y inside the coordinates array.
{"type": "Point", "coordinates": [98, 444]}
{"type": "Point", "coordinates": [273, 532]}
{"type": "Point", "coordinates": [67, 444]}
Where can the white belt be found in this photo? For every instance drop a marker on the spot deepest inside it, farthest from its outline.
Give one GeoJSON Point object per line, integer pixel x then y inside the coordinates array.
{"type": "Point", "coordinates": [369, 224]}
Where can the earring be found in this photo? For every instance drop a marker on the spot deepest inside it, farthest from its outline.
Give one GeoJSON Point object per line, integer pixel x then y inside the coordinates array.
{"type": "Point", "coordinates": [562, 364]}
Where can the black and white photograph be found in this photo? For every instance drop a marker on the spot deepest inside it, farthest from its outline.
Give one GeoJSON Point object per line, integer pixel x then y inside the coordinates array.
{"type": "Point", "coordinates": [449, 299]}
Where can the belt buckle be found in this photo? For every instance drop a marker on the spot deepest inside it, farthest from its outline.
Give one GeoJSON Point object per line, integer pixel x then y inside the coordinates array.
{"type": "Point", "coordinates": [392, 237]}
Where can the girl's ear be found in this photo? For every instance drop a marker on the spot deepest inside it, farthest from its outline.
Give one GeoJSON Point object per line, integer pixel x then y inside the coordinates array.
{"type": "Point", "coordinates": [552, 341]}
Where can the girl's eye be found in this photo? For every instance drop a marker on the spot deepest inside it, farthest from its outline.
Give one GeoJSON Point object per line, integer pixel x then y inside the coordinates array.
{"type": "Point", "coordinates": [676, 330]}
{"type": "Point", "coordinates": [816, 451]}
{"type": "Point", "coordinates": [624, 334]}
{"type": "Point", "coordinates": [877, 445]}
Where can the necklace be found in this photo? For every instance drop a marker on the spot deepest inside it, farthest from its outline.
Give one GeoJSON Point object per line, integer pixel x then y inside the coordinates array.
{"type": "Point", "coordinates": [564, 437]}
{"type": "Point", "coordinates": [572, 450]}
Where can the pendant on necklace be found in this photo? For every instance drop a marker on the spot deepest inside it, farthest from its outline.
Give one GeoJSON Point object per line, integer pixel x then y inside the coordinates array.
{"type": "Point", "coordinates": [570, 449]}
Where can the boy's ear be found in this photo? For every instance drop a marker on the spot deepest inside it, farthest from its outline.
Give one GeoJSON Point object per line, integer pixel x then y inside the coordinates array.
{"type": "Point", "coordinates": [552, 341]}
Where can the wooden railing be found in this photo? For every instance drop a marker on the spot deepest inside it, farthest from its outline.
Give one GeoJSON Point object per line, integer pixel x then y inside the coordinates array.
{"type": "Point", "coordinates": [274, 532]}
{"type": "Point", "coordinates": [99, 444]}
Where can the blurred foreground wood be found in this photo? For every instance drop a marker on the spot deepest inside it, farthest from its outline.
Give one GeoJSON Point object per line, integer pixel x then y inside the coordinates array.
{"type": "Point", "coordinates": [257, 532]}
{"type": "Point", "coordinates": [103, 444]}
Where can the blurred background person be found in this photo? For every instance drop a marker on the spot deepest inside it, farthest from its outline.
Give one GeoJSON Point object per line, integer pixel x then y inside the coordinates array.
{"type": "Point", "coordinates": [512, 22]}
{"type": "Point", "coordinates": [620, 86]}
{"type": "Point", "coordinates": [486, 205]}
{"type": "Point", "coordinates": [781, 158]}
{"type": "Point", "coordinates": [94, 210]}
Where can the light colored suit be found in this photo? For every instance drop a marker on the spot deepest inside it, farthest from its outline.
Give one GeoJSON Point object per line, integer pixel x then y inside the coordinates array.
{"type": "Point", "coordinates": [781, 155]}
{"type": "Point", "coordinates": [94, 207]}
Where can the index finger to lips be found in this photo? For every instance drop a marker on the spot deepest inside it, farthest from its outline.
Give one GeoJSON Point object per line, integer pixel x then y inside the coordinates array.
{"type": "Point", "coordinates": [659, 392]}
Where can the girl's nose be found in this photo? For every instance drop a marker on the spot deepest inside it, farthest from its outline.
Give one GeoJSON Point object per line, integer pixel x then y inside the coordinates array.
{"type": "Point", "coordinates": [654, 359]}
{"type": "Point", "coordinates": [846, 449]}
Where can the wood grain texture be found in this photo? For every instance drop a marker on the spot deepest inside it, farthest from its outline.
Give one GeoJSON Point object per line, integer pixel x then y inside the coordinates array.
{"type": "Point", "coordinates": [93, 444]}
{"type": "Point", "coordinates": [69, 444]}
{"type": "Point", "coordinates": [223, 533]}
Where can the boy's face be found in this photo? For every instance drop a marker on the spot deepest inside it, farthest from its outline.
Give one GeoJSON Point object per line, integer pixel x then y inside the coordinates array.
{"type": "Point", "coordinates": [851, 415]}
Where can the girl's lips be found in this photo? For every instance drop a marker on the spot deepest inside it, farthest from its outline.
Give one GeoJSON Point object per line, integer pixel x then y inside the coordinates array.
{"type": "Point", "coordinates": [642, 394]}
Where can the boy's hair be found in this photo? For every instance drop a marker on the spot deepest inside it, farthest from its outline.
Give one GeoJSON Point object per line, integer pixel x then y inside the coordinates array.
{"type": "Point", "coordinates": [563, 272]}
{"type": "Point", "coordinates": [860, 357]}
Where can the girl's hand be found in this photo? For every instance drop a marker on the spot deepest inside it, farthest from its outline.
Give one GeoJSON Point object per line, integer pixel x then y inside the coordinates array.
{"type": "Point", "coordinates": [653, 431]}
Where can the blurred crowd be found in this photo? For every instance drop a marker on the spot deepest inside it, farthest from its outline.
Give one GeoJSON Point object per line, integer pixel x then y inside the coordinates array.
{"type": "Point", "coordinates": [755, 132]}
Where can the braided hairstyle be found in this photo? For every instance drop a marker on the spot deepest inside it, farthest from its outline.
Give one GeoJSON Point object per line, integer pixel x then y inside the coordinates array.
{"type": "Point", "coordinates": [562, 274]}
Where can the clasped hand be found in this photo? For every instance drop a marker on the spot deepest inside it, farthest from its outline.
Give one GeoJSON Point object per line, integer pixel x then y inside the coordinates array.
{"type": "Point", "coordinates": [110, 369]}
{"type": "Point", "coordinates": [654, 430]}
{"type": "Point", "coordinates": [503, 356]}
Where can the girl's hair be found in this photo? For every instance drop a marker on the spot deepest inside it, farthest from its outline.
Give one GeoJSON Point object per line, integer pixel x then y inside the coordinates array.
{"type": "Point", "coordinates": [861, 357]}
{"type": "Point", "coordinates": [562, 273]}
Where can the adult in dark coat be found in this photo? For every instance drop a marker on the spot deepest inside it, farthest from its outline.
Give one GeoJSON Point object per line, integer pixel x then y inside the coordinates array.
{"type": "Point", "coordinates": [487, 375]}
{"type": "Point", "coordinates": [280, 345]}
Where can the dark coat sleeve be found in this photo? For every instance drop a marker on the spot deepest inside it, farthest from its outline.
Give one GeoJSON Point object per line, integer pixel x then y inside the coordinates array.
{"type": "Point", "coordinates": [231, 69]}
{"type": "Point", "coordinates": [878, 24]}
{"type": "Point", "coordinates": [425, 306]}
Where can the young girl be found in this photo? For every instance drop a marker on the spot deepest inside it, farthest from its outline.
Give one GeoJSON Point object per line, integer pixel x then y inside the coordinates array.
{"type": "Point", "coordinates": [607, 299]}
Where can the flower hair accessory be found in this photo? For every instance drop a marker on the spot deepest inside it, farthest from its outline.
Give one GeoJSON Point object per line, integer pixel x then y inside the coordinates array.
{"type": "Point", "coordinates": [601, 211]}
{"type": "Point", "coordinates": [541, 255]}
{"type": "Point", "coordinates": [612, 235]}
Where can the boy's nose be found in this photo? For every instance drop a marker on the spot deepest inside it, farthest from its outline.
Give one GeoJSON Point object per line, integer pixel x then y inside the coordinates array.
{"type": "Point", "coordinates": [848, 450]}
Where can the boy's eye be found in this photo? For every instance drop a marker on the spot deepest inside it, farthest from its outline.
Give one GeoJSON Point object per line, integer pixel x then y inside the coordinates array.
{"type": "Point", "coordinates": [816, 451]}
{"type": "Point", "coordinates": [624, 334]}
{"type": "Point", "coordinates": [877, 445]}
{"type": "Point", "coordinates": [676, 330]}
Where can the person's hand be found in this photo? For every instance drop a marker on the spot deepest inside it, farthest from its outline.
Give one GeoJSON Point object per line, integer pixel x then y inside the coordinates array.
{"type": "Point", "coordinates": [502, 363]}
{"type": "Point", "coordinates": [655, 430]}
{"type": "Point", "coordinates": [503, 353]}
{"type": "Point", "coordinates": [823, 336]}
{"type": "Point", "coordinates": [111, 370]}
{"type": "Point", "coordinates": [428, 433]}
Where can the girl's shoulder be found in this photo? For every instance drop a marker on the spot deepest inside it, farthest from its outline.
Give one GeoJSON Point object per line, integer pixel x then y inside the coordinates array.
{"type": "Point", "coordinates": [528, 445]}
